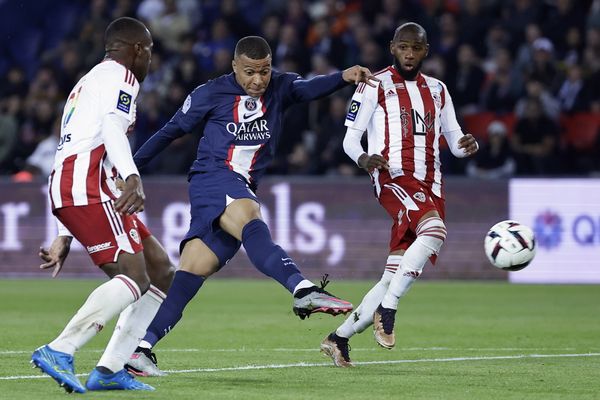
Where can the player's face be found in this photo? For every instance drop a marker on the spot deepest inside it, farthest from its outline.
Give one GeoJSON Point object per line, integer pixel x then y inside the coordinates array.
{"type": "Point", "coordinates": [142, 57]}
{"type": "Point", "coordinates": [252, 75]}
{"type": "Point", "coordinates": [409, 49]}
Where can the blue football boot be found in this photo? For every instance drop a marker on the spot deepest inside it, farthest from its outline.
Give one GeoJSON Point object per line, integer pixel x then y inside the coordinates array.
{"type": "Point", "coordinates": [120, 380]}
{"type": "Point", "coordinates": [59, 366]}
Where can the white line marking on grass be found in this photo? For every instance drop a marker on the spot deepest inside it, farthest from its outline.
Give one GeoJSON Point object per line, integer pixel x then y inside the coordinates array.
{"type": "Point", "coordinates": [310, 350]}
{"type": "Point", "coordinates": [383, 362]}
{"type": "Point", "coordinates": [328, 364]}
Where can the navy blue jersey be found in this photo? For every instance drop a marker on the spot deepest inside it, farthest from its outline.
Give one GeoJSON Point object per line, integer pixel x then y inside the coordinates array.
{"type": "Point", "coordinates": [240, 132]}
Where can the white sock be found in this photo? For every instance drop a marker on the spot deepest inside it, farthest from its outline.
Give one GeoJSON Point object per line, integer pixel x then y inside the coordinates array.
{"type": "Point", "coordinates": [399, 289]}
{"type": "Point", "coordinates": [431, 234]}
{"type": "Point", "coordinates": [144, 344]}
{"type": "Point", "coordinates": [106, 301]}
{"type": "Point", "coordinates": [302, 285]}
{"type": "Point", "coordinates": [361, 318]}
{"type": "Point", "coordinates": [130, 329]}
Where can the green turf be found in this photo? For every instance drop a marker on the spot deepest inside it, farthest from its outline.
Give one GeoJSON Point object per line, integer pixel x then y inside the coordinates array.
{"type": "Point", "coordinates": [233, 324]}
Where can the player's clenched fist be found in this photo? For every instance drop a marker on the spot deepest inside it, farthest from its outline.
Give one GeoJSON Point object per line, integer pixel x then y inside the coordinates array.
{"type": "Point", "coordinates": [359, 74]}
{"type": "Point", "coordinates": [371, 162]}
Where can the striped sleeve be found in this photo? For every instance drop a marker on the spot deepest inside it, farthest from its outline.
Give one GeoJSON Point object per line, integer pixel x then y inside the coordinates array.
{"type": "Point", "coordinates": [362, 106]}
{"type": "Point", "coordinates": [448, 119]}
{"type": "Point", "coordinates": [118, 90]}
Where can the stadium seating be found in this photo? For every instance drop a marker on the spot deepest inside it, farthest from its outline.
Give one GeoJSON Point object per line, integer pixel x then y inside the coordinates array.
{"type": "Point", "coordinates": [477, 124]}
{"type": "Point", "coordinates": [580, 131]}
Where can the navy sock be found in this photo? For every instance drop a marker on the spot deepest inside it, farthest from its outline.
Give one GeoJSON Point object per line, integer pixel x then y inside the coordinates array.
{"type": "Point", "coordinates": [184, 288]}
{"type": "Point", "coordinates": [269, 258]}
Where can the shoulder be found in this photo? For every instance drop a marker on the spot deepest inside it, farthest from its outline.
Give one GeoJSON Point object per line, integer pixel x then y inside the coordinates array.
{"type": "Point", "coordinates": [434, 83]}
{"type": "Point", "coordinates": [385, 77]}
{"type": "Point", "coordinates": [208, 88]}
{"type": "Point", "coordinates": [224, 84]}
{"type": "Point", "coordinates": [383, 72]}
{"type": "Point", "coordinates": [112, 72]}
{"type": "Point", "coordinates": [279, 77]}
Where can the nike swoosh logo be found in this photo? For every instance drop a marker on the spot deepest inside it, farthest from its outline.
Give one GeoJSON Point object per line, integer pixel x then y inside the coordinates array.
{"type": "Point", "coordinates": [246, 116]}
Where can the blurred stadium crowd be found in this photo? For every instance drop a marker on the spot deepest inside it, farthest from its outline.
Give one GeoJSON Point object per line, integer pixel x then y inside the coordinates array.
{"type": "Point", "coordinates": [524, 74]}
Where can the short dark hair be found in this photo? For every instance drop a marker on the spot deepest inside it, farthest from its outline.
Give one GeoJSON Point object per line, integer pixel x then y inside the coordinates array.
{"type": "Point", "coordinates": [124, 29]}
{"type": "Point", "coordinates": [412, 26]}
{"type": "Point", "coordinates": [254, 47]}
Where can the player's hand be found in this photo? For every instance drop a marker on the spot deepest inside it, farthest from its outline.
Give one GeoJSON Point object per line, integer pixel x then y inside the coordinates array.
{"type": "Point", "coordinates": [132, 197]}
{"type": "Point", "coordinates": [56, 255]}
{"type": "Point", "coordinates": [358, 74]}
{"type": "Point", "coordinates": [469, 144]}
{"type": "Point", "coordinates": [120, 183]}
{"type": "Point", "coordinates": [373, 161]}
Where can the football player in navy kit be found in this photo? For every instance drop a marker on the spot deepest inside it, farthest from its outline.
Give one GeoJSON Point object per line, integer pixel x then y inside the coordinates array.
{"type": "Point", "coordinates": [240, 115]}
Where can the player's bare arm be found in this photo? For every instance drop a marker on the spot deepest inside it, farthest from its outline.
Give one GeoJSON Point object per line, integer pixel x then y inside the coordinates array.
{"type": "Point", "coordinates": [132, 198]}
{"type": "Point", "coordinates": [56, 254]}
{"type": "Point", "coordinates": [469, 144]}
{"type": "Point", "coordinates": [373, 161]}
{"type": "Point", "coordinates": [358, 74]}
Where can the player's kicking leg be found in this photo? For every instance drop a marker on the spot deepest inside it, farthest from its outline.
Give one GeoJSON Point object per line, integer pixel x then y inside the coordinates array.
{"type": "Point", "coordinates": [242, 219]}
{"type": "Point", "coordinates": [313, 299]}
{"type": "Point", "coordinates": [336, 344]}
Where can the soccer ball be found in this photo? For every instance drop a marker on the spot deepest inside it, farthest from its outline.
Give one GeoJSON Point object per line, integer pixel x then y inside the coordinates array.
{"type": "Point", "coordinates": [509, 245]}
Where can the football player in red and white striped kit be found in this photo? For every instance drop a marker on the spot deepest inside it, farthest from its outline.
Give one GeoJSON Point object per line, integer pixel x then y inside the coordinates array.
{"type": "Point", "coordinates": [404, 117]}
{"type": "Point", "coordinates": [93, 150]}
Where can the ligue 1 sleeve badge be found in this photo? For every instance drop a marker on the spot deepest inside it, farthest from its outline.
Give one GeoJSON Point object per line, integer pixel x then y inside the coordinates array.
{"type": "Point", "coordinates": [124, 102]}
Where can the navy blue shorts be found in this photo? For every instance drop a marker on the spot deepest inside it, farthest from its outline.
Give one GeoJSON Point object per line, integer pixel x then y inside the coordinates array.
{"type": "Point", "coordinates": [210, 193]}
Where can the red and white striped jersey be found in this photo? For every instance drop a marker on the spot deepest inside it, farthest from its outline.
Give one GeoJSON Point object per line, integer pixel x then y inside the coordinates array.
{"type": "Point", "coordinates": [82, 173]}
{"type": "Point", "coordinates": [404, 121]}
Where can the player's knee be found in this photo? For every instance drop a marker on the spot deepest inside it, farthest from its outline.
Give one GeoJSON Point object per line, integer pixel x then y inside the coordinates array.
{"type": "Point", "coordinates": [391, 266]}
{"type": "Point", "coordinates": [198, 259]}
{"type": "Point", "coordinates": [431, 232]}
{"type": "Point", "coordinates": [204, 269]}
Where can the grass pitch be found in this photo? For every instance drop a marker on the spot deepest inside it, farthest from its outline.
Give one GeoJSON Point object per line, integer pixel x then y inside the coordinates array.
{"type": "Point", "coordinates": [240, 340]}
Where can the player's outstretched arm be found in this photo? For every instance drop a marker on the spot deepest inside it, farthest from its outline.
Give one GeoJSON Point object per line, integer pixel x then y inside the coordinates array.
{"type": "Point", "coordinates": [358, 74]}
{"type": "Point", "coordinates": [324, 85]}
{"type": "Point", "coordinates": [158, 142]}
{"type": "Point", "coordinates": [56, 254]}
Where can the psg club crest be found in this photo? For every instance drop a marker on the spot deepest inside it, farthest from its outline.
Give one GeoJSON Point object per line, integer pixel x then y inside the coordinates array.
{"type": "Point", "coordinates": [250, 104]}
